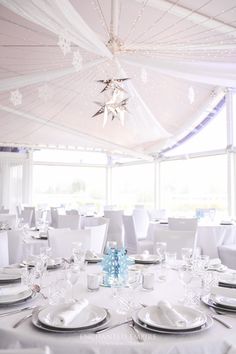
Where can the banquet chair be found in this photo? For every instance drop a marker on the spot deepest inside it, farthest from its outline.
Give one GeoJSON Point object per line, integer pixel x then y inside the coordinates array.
{"type": "Point", "coordinates": [4, 257]}
{"type": "Point", "coordinates": [70, 221]}
{"type": "Point", "coordinates": [4, 211]}
{"type": "Point", "coordinates": [15, 246]}
{"type": "Point", "coordinates": [131, 242]}
{"type": "Point", "coordinates": [28, 215]}
{"type": "Point", "coordinates": [227, 255]}
{"type": "Point", "coordinates": [115, 229]}
{"type": "Point", "coordinates": [54, 217]}
{"type": "Point", "coordinates": [61, 241]}
{"type": "Point", "coordinates": [176, 240]}
{"type": "Point", "coordinates": [8, 219]}
{"type": "Point", "coordinates": [99, 235]}
{"type": "Point", "coordinates": [141, 222]}
{"type": "Point", "coordinates": [182, 224]}
{"type": "Point", "coordinates": [72, 212]}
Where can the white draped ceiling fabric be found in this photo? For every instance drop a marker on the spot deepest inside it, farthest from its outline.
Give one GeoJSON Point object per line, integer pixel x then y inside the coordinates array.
{"type": "Point", "coordinates": [166, 48]}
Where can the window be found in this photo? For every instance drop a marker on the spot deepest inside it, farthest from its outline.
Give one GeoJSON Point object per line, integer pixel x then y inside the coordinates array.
{"type": "Point", "coordinates": [133, 185]}
{"type": "Point", "coordinates": [194, 183]}
{"type": "Point", "coordinates": [69, 186]}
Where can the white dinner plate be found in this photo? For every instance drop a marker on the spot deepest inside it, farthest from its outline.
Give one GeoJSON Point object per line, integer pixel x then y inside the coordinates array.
{"type": "Point", "coordinates": [93, 258]}
{"type": "Point", "coordinates": [224, 301]}
{"type": "Point", "coordinates": [205, 326]}
{"type": "Point", "coordinates": [40, 325]}
{"type": "Point", "coordinates": [228, 279]}
{"type": "Point", "coordinates": [207, 300]}
{"type": "Point", "coordinates": [145, 258]}
{"type": "Point", "coordinates": [153, 316]}
{"type": "Point", "coordinates": [90, 316]}
{"type": "Point", "coordinates": [52, 263]}
{"type": "Point", "coordinates": [8, 275]}
{"type": "Point", "coordinates": [14, 294]}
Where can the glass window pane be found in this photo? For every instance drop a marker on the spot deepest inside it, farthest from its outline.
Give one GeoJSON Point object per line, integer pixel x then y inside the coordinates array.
{"type": "Point", "coordinates": [194, 183]}
{"type": "Point", "coordinates": [69, 186]}
{"type": "Point", "coordinates": [133, 185]}
{"type": "Point", "coordinates": [211, 137]}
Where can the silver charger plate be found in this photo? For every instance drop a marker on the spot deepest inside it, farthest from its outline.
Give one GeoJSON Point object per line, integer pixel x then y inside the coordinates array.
{"type": "Point", "coordinates": [208, 324]}
{"type": "Point", "coordinates": [38, 324]}
{"type": "Point", "coordinates": [209, 302]}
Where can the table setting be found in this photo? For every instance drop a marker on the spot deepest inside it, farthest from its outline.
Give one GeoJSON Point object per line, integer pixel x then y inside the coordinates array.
{"type": "Point", "coordinates": [79, 311]}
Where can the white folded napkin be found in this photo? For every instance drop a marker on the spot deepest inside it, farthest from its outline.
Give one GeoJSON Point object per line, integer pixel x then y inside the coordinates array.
{"type": "Point", "coordinates": [214, 262]}
{"type": "Point", "coordinates": [68, 315]}
{"type": "Point", "coordinates": [91, 254]}
{"type": "Point", "coordinates": [220, 291]}
{"type": "Point", "coordinates": [173, 317]}
{"type": "Point", "coordinates": [13, 290]}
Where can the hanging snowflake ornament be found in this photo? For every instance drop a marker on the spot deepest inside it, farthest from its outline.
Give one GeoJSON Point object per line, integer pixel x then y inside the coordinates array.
{"type": "Point", "coordinates": [64, 42]}
{"type": "Point", "coordinates": [77, 60]}
{"type": "Point", "coordinates": [45, 92]}
{"type": "Point", "coordinates": [144, 75]}
{"type": "Point", "coordinates": [191, 95]}
{"type": "Point", "coordinates": [16, 97]}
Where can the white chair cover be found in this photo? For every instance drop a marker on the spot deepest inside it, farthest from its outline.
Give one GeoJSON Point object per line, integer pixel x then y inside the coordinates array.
{"type": "Point", "coordinates": [9, 219]}
{"type": "Point", "coordinates": [141, 222]}
{"type": "Point", "coordinates": [15, 246]}
{"type": "Point", "coordinates": [28, 215]}
{"type": "Point", "coordinates": [68, 221]}
{"type": "Point", "coordinates": [176, 240]}
{"type": "Point", "coordinates": [54, 217]}
{"type": "Point", "coordinates": [4, 211]}
{"type": "Point", "coordinates": [99, 235]}
{"type": "Point", "coordinates": [72, 212]}
{"type": "Point", "coordinates": [4, 257]}
{"type": "Point", "coordinates": [115, 229]}
{"type": "Point", "coordinates": [60, 240]}
{"type": "Point", "coordinates": [227, 255]}
{"type": "Point", "coordinates": [184, 224]}
{"type": "Point", "coordinates": [157, 214]}
{"type": "Point", "coordinates": [131, 243]}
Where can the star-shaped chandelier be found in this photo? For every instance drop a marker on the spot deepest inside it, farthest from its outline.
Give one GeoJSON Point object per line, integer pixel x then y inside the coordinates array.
{"type": "Point", "coordinates": [116, 105]}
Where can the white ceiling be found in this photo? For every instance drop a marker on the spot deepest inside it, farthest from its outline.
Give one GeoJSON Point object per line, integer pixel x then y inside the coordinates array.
{"type": "Point", "coordinates": [169, 50]}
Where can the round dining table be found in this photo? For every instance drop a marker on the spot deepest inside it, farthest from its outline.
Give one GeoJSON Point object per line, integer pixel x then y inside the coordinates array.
{"type": "Point", "coordinates": [215, 340]}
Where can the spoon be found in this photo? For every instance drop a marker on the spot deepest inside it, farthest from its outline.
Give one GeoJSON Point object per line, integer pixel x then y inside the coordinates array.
{"type": "Point", "coordinates": [36, 288]}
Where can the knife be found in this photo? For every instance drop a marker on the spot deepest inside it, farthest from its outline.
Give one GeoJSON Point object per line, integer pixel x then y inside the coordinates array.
{"type": "Point", "coordinates": [15, 311]}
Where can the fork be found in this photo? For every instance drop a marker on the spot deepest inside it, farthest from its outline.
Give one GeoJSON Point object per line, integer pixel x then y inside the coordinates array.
{"type": "Point", "coordinates": [23, 319]}
{"type": "Point", "coordinates": [218, 319]}
{"type": "Point", "coordinates": [138, 335]}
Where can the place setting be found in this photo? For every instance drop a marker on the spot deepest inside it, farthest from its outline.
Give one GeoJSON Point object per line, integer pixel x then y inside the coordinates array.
{"type": "Point", "coordinates": [221, 299]}
{"type": "Point", "coordinates": [145, 258]}
{"type": "Point", "coordinates": [9, 276]}
{"type": "Point", "coordinates": [167, 318]}
{"type": "Point", "coordinates": [16, 295]}
{"type": "Point", "coordinates": [74, 317]}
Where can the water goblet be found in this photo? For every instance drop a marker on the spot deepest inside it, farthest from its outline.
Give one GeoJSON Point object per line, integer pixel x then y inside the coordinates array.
{"type": "Point", "coordinates": [161, 249]}
{"type": "Point", "coordinates": [185, 276]}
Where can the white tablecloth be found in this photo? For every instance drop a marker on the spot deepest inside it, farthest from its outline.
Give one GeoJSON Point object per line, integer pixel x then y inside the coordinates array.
{"type": "Point", "coordinates": [119, 340]}
{"type": "Point", "coordinates": [209, 237]}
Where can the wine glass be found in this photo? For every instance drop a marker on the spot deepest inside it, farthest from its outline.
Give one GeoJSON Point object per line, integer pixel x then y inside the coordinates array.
{"type": "Point", "coordinates": [186, 253]}
{"type": "Point", "coordinates": [185, 276]}
{"type": "Point", "coordinates": [72, 277]}
{"type": "Point", "coordinates": [161, 249]}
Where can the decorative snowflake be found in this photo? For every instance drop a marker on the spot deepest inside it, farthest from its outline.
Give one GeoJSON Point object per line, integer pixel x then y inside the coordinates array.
{"type": "Point", "coordinates": [16, 97]}
{"type": "Point", "coordinates": [45, 92]}
{"type": "Point", "coordinates": [144, 77]}
{"type": "Point", "coordinates": [64, 42]}
{"type": "Point", "coordinates": [191, 95]}
{"type": "Point", "coordinates": [77, 60]}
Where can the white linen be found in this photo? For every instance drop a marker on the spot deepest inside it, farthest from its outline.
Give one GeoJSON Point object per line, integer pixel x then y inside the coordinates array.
{"type": "Point", "coordinates": [173, 317]}
{"type": "Point", "coordinates": [67, 316]}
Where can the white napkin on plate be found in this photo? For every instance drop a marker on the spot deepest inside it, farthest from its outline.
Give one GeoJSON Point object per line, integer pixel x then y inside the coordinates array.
{"type": "Point", "coordinates": [214, 262]}
{"type": "Point", "coordinates": [13, 290]}
{"type": "Point", "coordinates": [91, 254]}
{"type": "Point", "coordinates": [67, 316]}
{"type": "Point", "coordinates": [220, 291]}
{"type": "Point", "coordinates": [173, 317]}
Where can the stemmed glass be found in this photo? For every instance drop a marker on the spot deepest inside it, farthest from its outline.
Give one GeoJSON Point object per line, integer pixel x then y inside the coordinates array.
{"type": "Point", "coordinates": [72, 277]}
{"type": "Point", "coordinates": [185, 276]}
{"type": "Point", "coordinates": [187, 254]}
{"type": "Point", "coordinates": [161, 250]}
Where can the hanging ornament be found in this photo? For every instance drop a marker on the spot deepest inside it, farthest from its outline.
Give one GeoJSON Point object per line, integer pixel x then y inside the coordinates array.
{"type": "Point", "coordinates": [77, 60]}
{"type": "Point", "coordinates": [45, 92]}
{"type": "Point", "coordinates": [115, 107]}
{"type": "Point", "coordinates": [16, 97]}
{"type": "Point", "coordinates": [113, 84]}
{"type": "Point", "coordinates": [191, 95]}
{"type": "Point", "coordinates": [144, 75]}
{"type": "Point", "coordinates": [64, 42]}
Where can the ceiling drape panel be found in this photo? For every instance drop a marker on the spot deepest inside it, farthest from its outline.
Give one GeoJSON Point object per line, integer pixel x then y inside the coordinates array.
{"type": "Point", "coordinates": [217, 73]}
{"type": "Point", "coordinates": [57, 15]}
{"type": "Point", "coordinates": [36, 78]}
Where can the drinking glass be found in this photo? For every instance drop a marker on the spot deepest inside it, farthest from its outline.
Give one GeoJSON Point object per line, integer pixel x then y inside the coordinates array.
{"type": "Point", "coordinates": [161, 249]}
{"type": "Point", "coordinates": [170, 259]}
{"type": "Point", "coordinates": [78, 255]}
{"type": "Point", "coordinates": [186, 255]}
{"type": "Point", "coordinates": [110, 244]}
{"type": "Point", "coordinates": [185, 276]}
{"type": "Point", "coordinates": [72, 277]}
